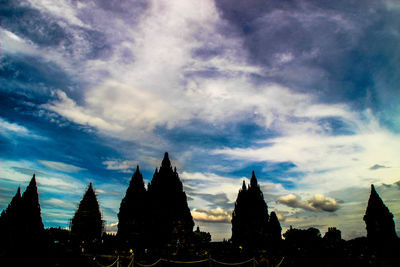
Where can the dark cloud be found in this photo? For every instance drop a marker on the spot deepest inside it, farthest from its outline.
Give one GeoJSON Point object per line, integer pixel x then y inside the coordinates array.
{"type": "Point", "coordinates": [377, 167]}
{"type": "Point", "coordinates": [23, 73]}
{"type": "Point", "coordinates": [317, 203]}
{"type": "Point", "coordinates": [44, 30]}
{"type": "Point", "coordinates": [129, 7]}
{"type": "Point", "coordinates": [342, 50]}
{"type": "Point", "coordinates": [394, 185]}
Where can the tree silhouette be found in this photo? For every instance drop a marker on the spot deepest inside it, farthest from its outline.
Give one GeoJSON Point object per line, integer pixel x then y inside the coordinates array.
{"type": "Point", "coordinates": [201, 237]}
{"type": "Point", "coordinates": [250, 219]}
{"type": "Point", "coordinates": [170, 217]}
{"type": "Point", "coordinates": [132, 216]}
{"type": "Point", "coordinates": [87, 224]}
{"type": "Point", "coordinates": [379, 220]}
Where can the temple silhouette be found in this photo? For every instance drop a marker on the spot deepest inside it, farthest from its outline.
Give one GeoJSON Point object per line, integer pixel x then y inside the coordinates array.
{"type": "Point", "coordinates": [155, 228]}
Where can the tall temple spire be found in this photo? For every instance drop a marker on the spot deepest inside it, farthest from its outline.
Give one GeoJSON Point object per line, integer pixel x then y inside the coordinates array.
{"type": "Point", "coordinates": [244, 187]}
{"type": "Point", "coordinates": [31, 208]}
{"type": "Point", "coordinates": [379, 220]}
{"type": "Point", "coordinates": [132, 216]}
{"type": "Point", "coordinates": [171, 219]}
{"type": "Point", "coordinates": [253, 180]}
{"type": "Point", "coordinates": [166, 163]}
{"type": "Point", "coordinates": [250, 218]}
{"type": "Point", "coordinates": [87, 223]}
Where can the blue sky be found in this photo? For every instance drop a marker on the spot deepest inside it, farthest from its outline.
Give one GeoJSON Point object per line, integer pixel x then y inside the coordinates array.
{"type": "Point", "coordinates": [305, 93]}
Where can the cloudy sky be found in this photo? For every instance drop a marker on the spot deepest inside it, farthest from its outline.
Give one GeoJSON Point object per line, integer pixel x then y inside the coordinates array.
{"type": "Point", "coordinates": [305, 93]}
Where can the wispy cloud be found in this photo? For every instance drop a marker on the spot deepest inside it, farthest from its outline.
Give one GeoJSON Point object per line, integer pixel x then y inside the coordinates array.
{"type": "Point", "coordinates": [10, 129]}
{"type": "Point", "coordinates": [50, 182]}
{"type": "Point", "coordinates": [56, 202]}
{"type": "Point", "coordinates": [125, 166]}
{"type": "Point", "coordinates": [60, 166]}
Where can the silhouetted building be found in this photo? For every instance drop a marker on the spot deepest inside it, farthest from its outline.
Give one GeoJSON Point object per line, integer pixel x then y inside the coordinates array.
{"type": "Point", "coordinates": [87, 224]}
{"type": "Point", "coordinates": [333, 235]}
{"type": "Point", "coordinates": [251, 225]}
{"type": "Point", "coordinates": [275, 229]}
{"type": "Point", "coordinates": [30, 212]}
{"type": "Point", "coordinates": [22, 229]}
{"type": "Point", "coordinates": [379, 220]}
{"type": "Point", "coordinates": [133, 213]}
{"type": "Point", "coordinates": [10, 221]}
{"type": "Point", "coordinates": [170, 219]}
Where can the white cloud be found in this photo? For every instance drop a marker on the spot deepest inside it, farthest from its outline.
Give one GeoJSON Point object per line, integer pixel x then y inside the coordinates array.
{"type": "Point", "coordinates": [60, 9]}
{"type": "Point", "coordinates": [284, 57]}
{"type": "Point", "coordinates": [12, 43]}
{"type": "Point", "coordinates": [10, 129]}
{"type": "Point", "coordinates": [121, 165]}
{"type": "Point", "coordinates": [13, 127]}
{"type": "Point", "coordinates": [165, 86]}
{"type": "Point", "coordinates": [48, 181]}
{"type": "Point", "coordinates": [330, 162]}
{"type": "Point", "coordinates": [60, 166]}
{"type": "Point", "coordinates": [317, 203]}
{"type": "Point", "coordinates": [68, 108]}
{"type": "Point", "coordinates": [213, 215]}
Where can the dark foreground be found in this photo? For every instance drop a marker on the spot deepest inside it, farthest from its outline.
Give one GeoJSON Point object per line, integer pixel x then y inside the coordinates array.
{"type": "Point", "coordinates": [301, 250]}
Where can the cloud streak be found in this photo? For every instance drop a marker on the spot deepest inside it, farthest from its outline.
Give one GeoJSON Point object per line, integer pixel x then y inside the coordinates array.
{"type": "Point", "coordinates": [60, 166]}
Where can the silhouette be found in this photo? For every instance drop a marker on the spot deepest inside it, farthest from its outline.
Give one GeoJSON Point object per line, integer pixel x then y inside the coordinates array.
{"type": "Point", "coordinates": [201, 237]}
{"type": "Point", "coordinates": [303, 247]}
{"type": "Point", "coordinates": [22, 220]}
{"type": "Point", "coordinates": [333, 235]}
{"type": "Point", "coordinates": [239, 217]}
{"type": "Point", "coordinates": [275, 229]}
{"type": "Point", "coordinates": [251, 224]}
{"type": "Point", "coordinates": [132, 216]}
{"type": "Point", "coordinates": [9, 222]}
{"type": "Point", "coordinates": [22, 228]}
{"type": "Point", "coordinates": [87, 224]}
{"type": "Point", "coordinates": [170, 219]}
{"type": "Point", "coordinates": [379, 220]}
{"type": "Point", "coordinates": [161, 217]}
{"type": "Point", "coordinates": [30, 212]}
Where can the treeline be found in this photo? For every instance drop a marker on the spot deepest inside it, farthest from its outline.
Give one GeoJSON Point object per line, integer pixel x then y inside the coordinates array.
{"type": "Point", "coordinates": [156, 222]}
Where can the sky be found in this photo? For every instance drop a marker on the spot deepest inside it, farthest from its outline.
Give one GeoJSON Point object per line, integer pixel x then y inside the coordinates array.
{"type": "Point", "coordinates": [305, 93]}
